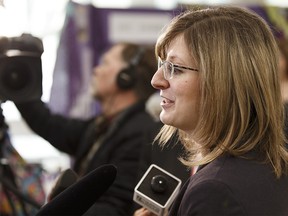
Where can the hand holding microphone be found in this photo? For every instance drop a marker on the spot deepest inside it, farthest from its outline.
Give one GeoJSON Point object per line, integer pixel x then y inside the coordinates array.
{"type": "Point", "coordinates": [143, 212]}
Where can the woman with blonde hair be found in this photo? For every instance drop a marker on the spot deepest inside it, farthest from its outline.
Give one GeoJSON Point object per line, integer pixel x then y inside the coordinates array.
{"type": "Point", "coordinates": [218, 79]}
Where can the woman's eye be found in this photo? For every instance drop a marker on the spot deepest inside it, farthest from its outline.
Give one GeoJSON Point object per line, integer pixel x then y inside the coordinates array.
{"type": "Point", "coordinates": [177, 71]}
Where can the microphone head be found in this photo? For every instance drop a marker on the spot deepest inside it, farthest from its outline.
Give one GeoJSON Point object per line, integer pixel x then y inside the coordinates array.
{"type": "Point", "coordinates": [65, 180]}
{"type": "Point", "coordinates": [156, 190]}
{"type": "Point", "coordinates": [79, 197]}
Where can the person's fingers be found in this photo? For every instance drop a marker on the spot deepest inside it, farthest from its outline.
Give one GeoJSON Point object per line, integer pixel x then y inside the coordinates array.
{"type": "Point", "coordinates": [138, 212]}
{"type": "Point", "coordinates": [143, 212]}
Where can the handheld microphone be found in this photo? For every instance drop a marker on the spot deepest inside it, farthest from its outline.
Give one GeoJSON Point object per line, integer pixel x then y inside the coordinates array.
{"type": "Point", "coordinates": [65, 180]}
{"type": "Point", "coordinates": [156, 190]}
{"type": "Point", "coordinates": [79, 197]}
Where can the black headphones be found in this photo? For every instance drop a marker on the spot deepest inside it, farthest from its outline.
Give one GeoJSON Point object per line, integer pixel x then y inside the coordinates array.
{"type": "Point", "coordinates": [126, 78]}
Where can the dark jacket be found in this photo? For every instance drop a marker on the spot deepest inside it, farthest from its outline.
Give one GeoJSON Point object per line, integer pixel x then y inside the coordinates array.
{"type": "Point", "coordinates": [233, 186]}
{"type": "Point", "coordinates": [166, 157]}
{"type": "Point", "coordinates": [120, 145]}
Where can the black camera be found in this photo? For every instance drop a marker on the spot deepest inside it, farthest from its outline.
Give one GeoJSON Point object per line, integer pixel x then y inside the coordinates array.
{"type": "Point", "coordinates": [156, 190]}
{"type": "Point", "coordinates": [20, 68]}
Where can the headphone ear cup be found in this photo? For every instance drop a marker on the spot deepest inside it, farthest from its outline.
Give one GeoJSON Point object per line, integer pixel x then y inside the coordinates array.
{"type": "Point", "coordinates": [126, 79]}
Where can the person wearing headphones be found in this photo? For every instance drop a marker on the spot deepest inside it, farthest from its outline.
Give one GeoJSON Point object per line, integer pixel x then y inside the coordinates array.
{"type": "Point", "coordinates": [121, 84]}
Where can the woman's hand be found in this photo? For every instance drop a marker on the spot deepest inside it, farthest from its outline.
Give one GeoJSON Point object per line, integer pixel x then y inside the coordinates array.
{"type": "Point", "coordinates": [143, 212]}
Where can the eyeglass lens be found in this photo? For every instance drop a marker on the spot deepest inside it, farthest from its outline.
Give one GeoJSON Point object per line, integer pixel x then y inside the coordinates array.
{"type": "Point", "coordinates": [167, 68]}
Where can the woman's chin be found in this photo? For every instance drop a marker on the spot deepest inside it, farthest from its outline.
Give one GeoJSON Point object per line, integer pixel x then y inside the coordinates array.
{"type": "Point", "coordinates": [166, 119]}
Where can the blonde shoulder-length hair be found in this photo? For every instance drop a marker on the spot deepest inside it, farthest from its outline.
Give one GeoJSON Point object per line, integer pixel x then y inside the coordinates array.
{"type": "Point", "coordinates": [241, 107]}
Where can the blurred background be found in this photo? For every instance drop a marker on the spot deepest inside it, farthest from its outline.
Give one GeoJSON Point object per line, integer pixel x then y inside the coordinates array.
{"type": "Point", "coordinates": [74, 33]}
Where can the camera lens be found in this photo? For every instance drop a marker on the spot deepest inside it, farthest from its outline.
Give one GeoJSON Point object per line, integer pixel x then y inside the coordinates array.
{"type": "Point", "coordinates": [159, 184]}
{"type": "Point", "coordinates": [16, 77]}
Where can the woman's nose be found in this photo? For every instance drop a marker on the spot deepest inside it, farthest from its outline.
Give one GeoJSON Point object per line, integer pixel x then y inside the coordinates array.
{"type": "Point", "coordinates": [158, 81]}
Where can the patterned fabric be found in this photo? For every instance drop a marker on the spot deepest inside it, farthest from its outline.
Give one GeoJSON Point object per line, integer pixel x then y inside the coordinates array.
{"type": "Point", "coordinates": [17, 174]}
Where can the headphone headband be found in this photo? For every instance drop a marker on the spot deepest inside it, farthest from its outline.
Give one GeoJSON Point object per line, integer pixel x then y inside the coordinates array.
{"type": "Point", "coordinates": [135, 61]}
{"type": "Point", "coordinates": [126, 78]}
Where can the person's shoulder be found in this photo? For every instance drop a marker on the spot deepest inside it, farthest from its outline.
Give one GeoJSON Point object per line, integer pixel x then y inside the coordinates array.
{"type": "Point", "coordinates": [144, 121]}
{"type": "Point", "coordinates": [139, 120]}
{"type": "Point", "coordinates": [239, 174]}
{"type": "Point", "coordinates": [242, 181]}
{"type": "Point", "coordinates": [141, 117]}
{"type": "Point", "coordinates": [213, 186]}
{"type": "Point", "coordinates": [230, 169]}
{"type": "Point", "coordinates": [209, 197]}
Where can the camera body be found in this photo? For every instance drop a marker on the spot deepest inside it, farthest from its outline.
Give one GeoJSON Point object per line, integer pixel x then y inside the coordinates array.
{"type": "Point", "coordinates": [156, 190]}
{"type": "Point", "coordinates": [20, 68]}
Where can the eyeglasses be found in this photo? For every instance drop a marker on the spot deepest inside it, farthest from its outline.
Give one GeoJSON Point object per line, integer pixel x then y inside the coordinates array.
{"type": "Point", "coordinates": [169, 68]}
